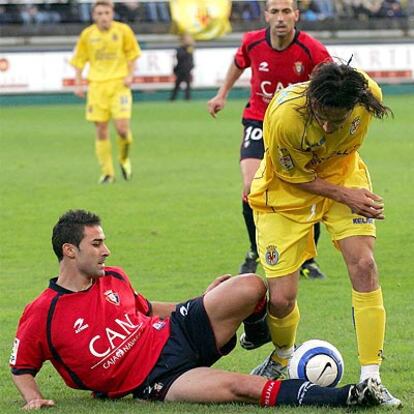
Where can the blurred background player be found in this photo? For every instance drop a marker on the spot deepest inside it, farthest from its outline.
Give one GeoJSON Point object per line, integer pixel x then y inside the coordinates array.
{"type": "Point", "coordinates": [278, 56]}
{"type": "Point", "coordinates": [184, 66]}
{"type": "Point", "coordinates": [111, 50]}
{"type": "Point", "coordinates": [312, 172]}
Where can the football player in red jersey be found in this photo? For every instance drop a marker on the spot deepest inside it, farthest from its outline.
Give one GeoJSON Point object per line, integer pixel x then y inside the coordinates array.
{"type": "Point", "coordinates": [101, 335]}
{"type": "Point", "coordinates": [278, 56]}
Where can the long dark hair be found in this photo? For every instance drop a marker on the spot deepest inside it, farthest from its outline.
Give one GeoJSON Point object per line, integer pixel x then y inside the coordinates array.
{"type": "Point", "coordinates": [334, 85]}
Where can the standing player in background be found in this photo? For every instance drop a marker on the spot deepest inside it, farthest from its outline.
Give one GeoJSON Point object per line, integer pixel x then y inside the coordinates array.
{"type": "Point", "coordinates": [278, 56]}
{"type": "Point", "coordinates": [312, 172]}
{"type": "Point", "coordinates": [184, 66]}
{"type": "Point", "coordinates": [111, 50]}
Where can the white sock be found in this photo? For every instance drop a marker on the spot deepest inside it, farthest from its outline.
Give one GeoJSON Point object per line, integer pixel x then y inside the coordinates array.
{"type": "Point", "coordinates": [285, 353]}
{"type": "Point", "coordinates": [370, 371]}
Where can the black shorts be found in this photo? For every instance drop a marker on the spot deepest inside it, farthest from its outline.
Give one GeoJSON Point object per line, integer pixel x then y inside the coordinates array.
{"type": "Point", "coordinates": [191, 344]}
{"type": "Point", "coordinates": [252, 145]}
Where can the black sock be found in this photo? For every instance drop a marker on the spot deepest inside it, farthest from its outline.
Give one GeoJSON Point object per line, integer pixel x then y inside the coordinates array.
{"type": "Point", "coordinates": [255, 326]}
{"type": "Point", "coordinates": [250, 226]}
{"type": "Point", "coordinates": [301, 392]}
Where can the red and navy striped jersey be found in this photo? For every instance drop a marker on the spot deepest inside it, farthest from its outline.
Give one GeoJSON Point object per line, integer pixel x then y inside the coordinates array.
{"type": "Point", "coordinates": [102, 339]}
{"type": "Point", "coordinates": [273, 70]}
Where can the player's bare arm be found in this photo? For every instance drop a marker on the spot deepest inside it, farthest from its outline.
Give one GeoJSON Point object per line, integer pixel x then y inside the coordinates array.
{"type": "Point", "coordinates": [29, 389]}
{"type": "Point", "coordinates": [163, 309]}
{"type": "Point", "coordinates": [130, 77]}
{"type": "Point", "coordinates": [79, 89]}
{"type": "Point", "coordinates": [359, 200]}
{"type": "Point", "coordinates": [217, 103]}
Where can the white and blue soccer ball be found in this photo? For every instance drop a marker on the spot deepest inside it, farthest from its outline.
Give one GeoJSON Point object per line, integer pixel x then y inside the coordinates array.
{"type": "Point", "coordinates": [317, 361]}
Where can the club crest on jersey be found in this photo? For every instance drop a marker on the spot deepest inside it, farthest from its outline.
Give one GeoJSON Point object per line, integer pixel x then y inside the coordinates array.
{"type": "Point", "coordinates": [114, 37]}
{"type": "Point", "coordinates": [355, 125]}
{"type": "Point", "coordinates": [112, 297]}
{"type": "Point", "coordinates": [299, 68]}
{"type": "Point", "coordinates": [271, 255]}
{"type": "Point", "coordinates": [285, 159]}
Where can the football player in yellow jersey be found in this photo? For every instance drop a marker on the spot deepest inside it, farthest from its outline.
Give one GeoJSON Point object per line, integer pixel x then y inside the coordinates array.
{"type": "Point", "coordinates": [111, 50]}
{"type": "Point", "coordinates": [312, 172]}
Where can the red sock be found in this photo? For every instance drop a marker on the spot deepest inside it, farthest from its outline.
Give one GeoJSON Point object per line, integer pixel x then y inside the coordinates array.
{"type": "Point", "coordinates": [261, 306]}
{"type": "Point", "coordinates": [269, 393]}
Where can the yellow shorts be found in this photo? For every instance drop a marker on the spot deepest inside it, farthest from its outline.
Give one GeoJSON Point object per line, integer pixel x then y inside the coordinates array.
{"type": "Point", "coordinates": [285, 240]}
{"type": "Point", "coordinates": [106, 100]}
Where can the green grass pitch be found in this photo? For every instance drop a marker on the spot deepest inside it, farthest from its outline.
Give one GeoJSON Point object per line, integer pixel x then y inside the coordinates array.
{"type": "Point", "coordinates": [178, 224]}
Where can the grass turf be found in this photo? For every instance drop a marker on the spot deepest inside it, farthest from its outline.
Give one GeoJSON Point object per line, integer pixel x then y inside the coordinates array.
{"type": "Point", "coordinates": [178, 224]}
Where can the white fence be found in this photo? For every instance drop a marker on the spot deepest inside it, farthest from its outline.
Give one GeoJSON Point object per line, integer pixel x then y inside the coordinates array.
{"type": "Point", "coordinates": [31, 72]}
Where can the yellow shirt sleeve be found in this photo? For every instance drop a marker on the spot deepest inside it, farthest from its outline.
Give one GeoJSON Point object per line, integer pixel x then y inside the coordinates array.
{"type": "Point", "coordinates": [80, 57]}
{"type": "Point", "coordinates": [372, 85]}
{"type": "Point", "coordinates": [132, 50]}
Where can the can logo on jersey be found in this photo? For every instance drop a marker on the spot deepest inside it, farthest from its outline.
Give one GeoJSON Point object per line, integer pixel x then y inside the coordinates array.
{"type": "Point", "coordinates": [299, 68]}
{"type": "Point", "coordinates": [355, 125]}
{"type": "Point", "coordinates": [112, 297]}
{"type": "Point", "coordinates": [271, 255]}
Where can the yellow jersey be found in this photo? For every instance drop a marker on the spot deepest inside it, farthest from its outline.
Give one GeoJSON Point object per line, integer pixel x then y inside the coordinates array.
{"type": "Point", "coordinates": [108, 52]}
{"type": "Point", "coordinates": [297, 150]}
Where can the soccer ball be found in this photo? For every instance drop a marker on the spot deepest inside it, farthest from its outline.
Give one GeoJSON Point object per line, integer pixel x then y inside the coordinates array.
{"type": "Point", "coordinates": [317, 361]}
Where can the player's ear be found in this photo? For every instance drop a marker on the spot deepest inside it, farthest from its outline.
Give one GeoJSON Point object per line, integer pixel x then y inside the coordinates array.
{"type": "Point", "coordinates": [68, 250]}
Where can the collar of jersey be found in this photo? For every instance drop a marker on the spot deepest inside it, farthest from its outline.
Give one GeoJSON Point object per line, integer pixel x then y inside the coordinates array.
{"type": "Point", "coordinates": [63, 291]}
{"type": "Point", "coordinates": [269, 42]}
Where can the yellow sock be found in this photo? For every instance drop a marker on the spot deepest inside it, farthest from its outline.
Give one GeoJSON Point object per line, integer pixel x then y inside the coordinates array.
{"type": "Point", "coordinates": [369, 320]}
{"type": "Point", "coordinates": [283, 333]}
{"type": "Point", "coordinates": [124, 145]}
{"type": "Point", "coordinates": [103, 149]}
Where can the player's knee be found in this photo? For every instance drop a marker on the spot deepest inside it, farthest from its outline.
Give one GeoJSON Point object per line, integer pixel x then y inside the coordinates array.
{"type": "Point", "coordinates": [102, 131]}
{"type": "Point", "coordinates": [363, 266]}
{"type": "Point", "coordinates": [281, 305]}
{"type": "Point", "coordinates": [123, 131]}
{"type": "Point", "coordinates": [254, 289]}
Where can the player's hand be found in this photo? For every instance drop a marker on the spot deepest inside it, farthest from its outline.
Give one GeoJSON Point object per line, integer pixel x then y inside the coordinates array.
{"type": "Point", "coordinates": [215, 105]}
{"type": "Point", "coordinates": [79, 91]}
{"type": "Point", "coordinates": [217, 281]}
{"type": "Point", "coordinates": [38, 403]}
{"type": "Point", "coordinates": [365, 203]}
{"type": "Point", "coordinates": [128, 81]}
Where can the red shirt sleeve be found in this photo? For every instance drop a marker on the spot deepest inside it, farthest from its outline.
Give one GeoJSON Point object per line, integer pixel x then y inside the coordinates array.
{"type": "Point", "coordinates": [321, 54]}
{"type": "Point", "coordinates": [242, 58]}
{"type": "Point", "coordinates": [30, 348]}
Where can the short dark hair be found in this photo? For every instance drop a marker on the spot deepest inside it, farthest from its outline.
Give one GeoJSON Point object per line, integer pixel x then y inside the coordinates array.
{"type": "Point", "coordinates": [294, 4]}
{"type": "Point", "coordinates": [334, 85]}
{"type": "Point", "coordinates": [69, 229]}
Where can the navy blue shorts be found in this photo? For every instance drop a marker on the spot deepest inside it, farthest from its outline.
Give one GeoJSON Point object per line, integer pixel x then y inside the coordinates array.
{"type": "Point", "coordinates": [252, 145]}
{"type": "Point", "coordinates": [191, 344]}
